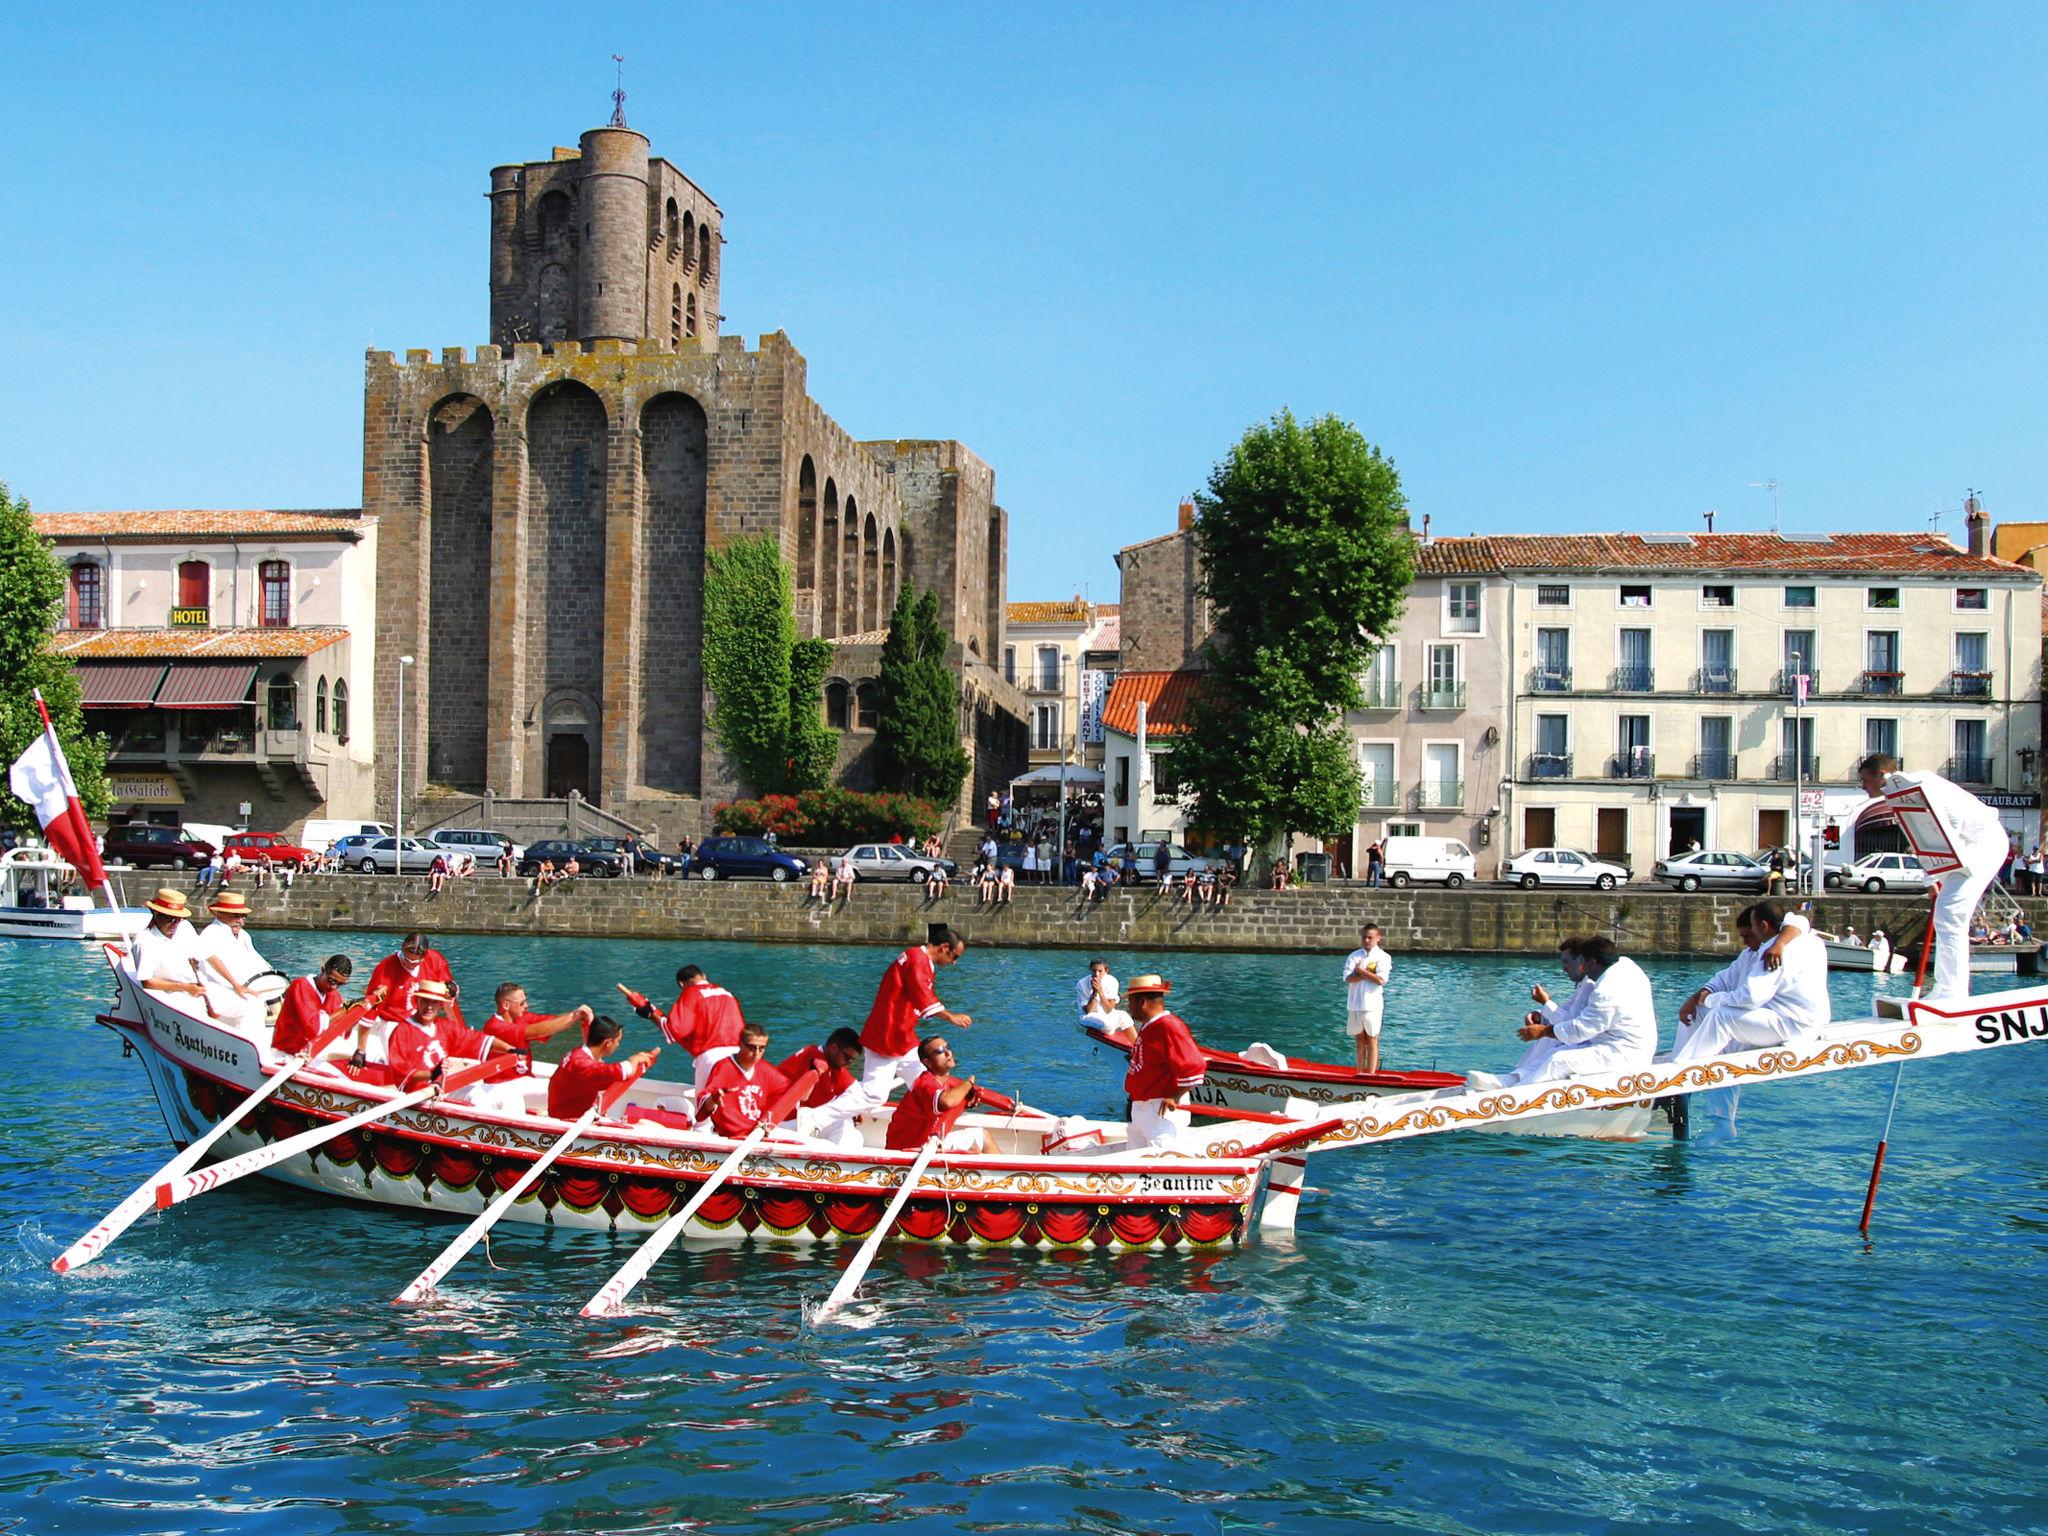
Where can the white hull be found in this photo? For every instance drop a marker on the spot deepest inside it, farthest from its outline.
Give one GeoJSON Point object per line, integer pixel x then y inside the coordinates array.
{"type": "Point", "coordinates": [99, 925]}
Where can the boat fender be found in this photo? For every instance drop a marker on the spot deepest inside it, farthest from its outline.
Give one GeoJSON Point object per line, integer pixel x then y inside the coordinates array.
{"type": "Point", "coordinates": [1071, 1133]}
{"type": "Point", "coordinates": [1263, 1054]}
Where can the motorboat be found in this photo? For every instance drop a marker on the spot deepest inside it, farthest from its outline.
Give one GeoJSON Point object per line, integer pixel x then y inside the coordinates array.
{"type": "Point", "coordinates": [41, 898]}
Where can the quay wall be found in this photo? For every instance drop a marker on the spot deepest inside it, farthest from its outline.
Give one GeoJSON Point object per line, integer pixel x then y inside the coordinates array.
{"type": "Point", "coordinates": [1316, 919]}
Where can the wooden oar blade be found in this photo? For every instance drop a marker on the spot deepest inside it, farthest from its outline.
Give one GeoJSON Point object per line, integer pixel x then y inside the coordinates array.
{"type": "Point", "coordinates": [849, 1282]}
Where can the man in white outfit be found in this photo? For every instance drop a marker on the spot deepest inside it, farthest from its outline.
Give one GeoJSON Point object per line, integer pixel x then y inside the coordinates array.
{"type": "Point", "coordinates": [1730, 977]}
{"type": "Point", "coordinates": [1572, 961]}
{"type": "Point", "coordinates": [1615, 1030]}
{"type": "Point", "coordinates": [1979, 840]}
{"type": "Point", "coordinates": [1747, 1007]}
{"type": "Point", "coordinates": [228, 962]}
{"type": "Point", "coordinates": [1366, 973]}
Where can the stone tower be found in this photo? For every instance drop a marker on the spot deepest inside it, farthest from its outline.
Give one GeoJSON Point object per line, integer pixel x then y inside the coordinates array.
{"type": "Point", "coordinates": [604, 242]}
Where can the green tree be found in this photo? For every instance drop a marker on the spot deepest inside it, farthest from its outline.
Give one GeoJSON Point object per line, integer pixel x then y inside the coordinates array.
{"type": "Point", "coordinates": [813, 745]}
{"type": "Point", "coordinates": [1303, 543]}
{"type": "Point", "coordinates": [764, 681]}
{"type": "Point", "coordinates": [917, 737]}
{"type": "Point", "coordinates": [31, 603]}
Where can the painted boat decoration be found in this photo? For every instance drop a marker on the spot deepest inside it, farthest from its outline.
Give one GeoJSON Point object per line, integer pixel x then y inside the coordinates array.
{"type": "Point", "coordinates": [37, 876]}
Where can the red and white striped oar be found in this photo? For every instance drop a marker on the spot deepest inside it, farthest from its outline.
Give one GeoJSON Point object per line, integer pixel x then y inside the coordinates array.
{"type": "Point", "coordinates": [123, 1216]}
{"type": "Point", "coordinates": [185, 1185]}
{"type": "Point", "coordinates": [1898, 1077]}
{"type": "Point", "coordinates": [615, 1290]}
{"type": "Point", "coordinates": [424, 1282]}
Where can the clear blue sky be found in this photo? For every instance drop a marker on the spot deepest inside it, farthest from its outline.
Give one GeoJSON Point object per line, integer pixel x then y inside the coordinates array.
{"type": "Point", "coordinates": [1573, 267]}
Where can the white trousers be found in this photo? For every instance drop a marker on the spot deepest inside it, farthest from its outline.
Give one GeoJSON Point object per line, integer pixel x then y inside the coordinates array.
{"type": "Point", "coordinates": [1154, 1126]}
{"type": "Point", "coordinates": [1953, 909]}
{"type": "Point", "coordinates": [879, 1074]}
{"type": "Point", "coordinates": [834, 1120]}
{"type": "Point", "coordinates": [1720, 1031]}
{"type": "Point", "coordinates": [702, 1063]}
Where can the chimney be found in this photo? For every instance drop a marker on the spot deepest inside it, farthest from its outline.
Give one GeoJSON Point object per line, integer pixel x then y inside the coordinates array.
{"type": "Point", "coordinates": [1187, 513]}
{"type": "Point", "coordinates": [1425, 527]}
{"type": "Point", "coordinates": [1978, 522]}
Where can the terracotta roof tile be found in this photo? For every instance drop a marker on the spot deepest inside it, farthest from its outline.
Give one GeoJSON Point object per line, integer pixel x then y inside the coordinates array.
{"type": "Point", "coordinates": [339, 522]}
{"type": "Point", "coordinates": [1073, 612]}
{"type": "Point", "coordinates": [1840, 554]}
{"type": "Point", "coordinates": [1166, 696]}
{"type": "Point", "coordinates": [221, 644]}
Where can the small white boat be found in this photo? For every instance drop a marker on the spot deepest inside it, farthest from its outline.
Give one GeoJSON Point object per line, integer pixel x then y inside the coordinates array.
{"type": "Point", "coordinates": [39, 899]}
{"type": "Point", "coordinates": [1844, 956]}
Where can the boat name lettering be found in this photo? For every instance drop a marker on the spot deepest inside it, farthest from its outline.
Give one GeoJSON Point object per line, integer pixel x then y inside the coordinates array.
{"type": "Point", "coordinates": [2014, 1024]}
{"type": "Point", "coordinates": [198, 1046]}
{"type": "Point", "coordinates": [1175, 1184]}
{"type": "Point", "coordinates": [1205, 1093]}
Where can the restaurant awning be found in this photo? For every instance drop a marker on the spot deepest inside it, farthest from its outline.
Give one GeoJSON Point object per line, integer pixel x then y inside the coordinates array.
{"type": "Point", "coordinates": [1077, 777]}
{"type": "Point", "coordinates": [207, 685]}
{"type": "Point", "coordinates": [119, 684]}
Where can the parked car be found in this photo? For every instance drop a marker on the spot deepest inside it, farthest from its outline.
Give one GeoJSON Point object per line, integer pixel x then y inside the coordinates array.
{"type": "Point", "coordinates": [1562, 866]}
{"type": "Point", "coordinates": [391, 855]}
{"type": "Point", "coordinates": [321, 833]}
{"type": "Point", "coordinates": [589, 860]}
{"type": "Point", "coordinates": [641, 858]}
{"type": "Point", "coordinates": [1712, 870]}
{"type": "Point", "coordinates": [729, 858]}
{"type": "Point", "coordinates": [265, 848]}
{"type": "Point", "coordinates": [893, 861]}
{"type": "Point", "coordinates": [152, 847]}
{"type": "Point", "coordinates": [1139, 861]}
{"type": "Point", "coordinates": [1881, 872]}
{"type": "Point", "coordinates": [1442, 859]}
{"type": "Point", "coordinates": [479, 844]}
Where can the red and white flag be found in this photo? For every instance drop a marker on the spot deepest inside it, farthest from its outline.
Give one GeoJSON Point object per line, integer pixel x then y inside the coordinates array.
{"type": "Point", "coordinates": [42, 778]}
{"type": "Point", "coordinates": [1799, 685]}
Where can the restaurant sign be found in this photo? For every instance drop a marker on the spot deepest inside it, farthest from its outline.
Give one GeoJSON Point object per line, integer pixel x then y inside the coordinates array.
{"type": "Point", "coordinates": [144, 789]}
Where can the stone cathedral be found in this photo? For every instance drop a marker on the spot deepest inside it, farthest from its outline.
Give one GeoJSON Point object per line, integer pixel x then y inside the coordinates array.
{"type": "Point", "coordinates": [544, 508]}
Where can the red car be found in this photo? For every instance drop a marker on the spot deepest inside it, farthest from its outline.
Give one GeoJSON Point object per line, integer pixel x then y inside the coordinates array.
{"type": "Point", "coordinates": [267, 847]}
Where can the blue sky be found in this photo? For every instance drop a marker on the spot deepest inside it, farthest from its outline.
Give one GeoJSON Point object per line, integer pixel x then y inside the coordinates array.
{"type": "Point", "coordinates": [1573, 267]}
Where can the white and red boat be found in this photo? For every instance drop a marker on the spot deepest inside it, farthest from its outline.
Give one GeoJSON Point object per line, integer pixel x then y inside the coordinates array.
{"type": "Point", "coordinates": [1050, 1183]}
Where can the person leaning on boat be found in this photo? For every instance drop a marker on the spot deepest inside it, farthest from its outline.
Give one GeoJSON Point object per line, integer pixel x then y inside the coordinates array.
{"type": "Point", "coordinates": [309, 1003]}
{"type": "Point", "coordinates": [1614, 1031]}
{"type": "Point", "coordinates": [934, 1105]}
{"type": "Point", "coordinates": [583, 1075]}
{"type": "Point", "coordinates": [1980, 842]}
{"type": "Point", "coordinates": [906, 997]}
{"type": "Point", "coordinates": [1165, 1064]}
{"type": "Point", "coordinates": [165, 954]}
{"type": "Point", "coordinates": [228, 962]}
{"type": "Point", "coordinates": [832, 1109]}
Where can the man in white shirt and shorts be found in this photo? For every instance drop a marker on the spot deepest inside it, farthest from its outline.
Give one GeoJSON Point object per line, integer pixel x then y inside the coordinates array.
{"type": "Point", "coordinates": [1367, 970]}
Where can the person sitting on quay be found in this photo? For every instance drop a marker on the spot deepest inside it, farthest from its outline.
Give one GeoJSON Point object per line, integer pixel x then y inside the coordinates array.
{"type": "Point", "coordinates": [1089, 881]}
{"type": "Point", "coordinates": [544, 876]}
{"type": "Point", "coordinates": [740, 1088]}
{"type": "Point", "coordinates": [1277, 881]}
{"type": "Point", "coordinates": [571, 867]}
{"type": "Point", "coordinates": [1614, 1031]}
{"type": "Point", "coordinates": [1107, 879]}
{"type": "Point", "coordinates": [984, 883]}
{"type": "Point", "coordinates": [437, 874]}
{"type": "Point", "coordinates": [831, 1110]}
{"type": "Point", "coordinates": [821, 881]}
{"type": "Point", "coordinates": [934, 1105]}
{"type": "Point", "coordinates": [584, 1075]}
{"type": "Point", "coordinates": [505, 860]}
{"type": "Point", "coordinates": [1006, 884]}
{"type": "Point", "coordinates": [935, 883]}
{"type": "Point", "coordinates": [843, 877]}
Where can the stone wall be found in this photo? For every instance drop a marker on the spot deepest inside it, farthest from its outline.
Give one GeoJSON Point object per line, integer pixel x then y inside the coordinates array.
{"type": "Point", "coordinates": [1417, 921]}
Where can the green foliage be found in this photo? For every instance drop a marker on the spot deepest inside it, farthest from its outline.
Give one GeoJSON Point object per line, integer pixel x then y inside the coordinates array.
{"type": "Point", "coordinates": [829, 817]}
{"type": "Point", "coordinates": [31, 604]}
{"type": "Point", "coordinates": [764, 681]}
{"type": "Point", "coordinates": [917, 737]}
{"type": "Point", "coordinates": [813, 745]}
{"type": "Point", "coordinates": [1303, 541]}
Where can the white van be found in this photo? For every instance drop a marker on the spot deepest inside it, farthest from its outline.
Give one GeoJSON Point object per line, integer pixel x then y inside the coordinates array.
{"type": "Point", "coordinates": [1443, 859]}
{"type": "Point", "coordinates": [322, 832]}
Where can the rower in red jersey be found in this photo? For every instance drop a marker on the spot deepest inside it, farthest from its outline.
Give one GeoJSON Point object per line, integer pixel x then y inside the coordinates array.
{"type": "Point", "coordinates": [422, 1045]}
{"type": "Point", "coordinates": [837, 1099]}
{"type": "Point", "coordinates": [309, 1005]}
{"type": "Point", "coordinates": [704, 1020]}
{"type": "Point", "coordinates": [583, 1076]}
{"type": "Point", "coordinates": [392, 982]}
{"type": "Point", "coordinates": [1165, 1064]}
{"type": "Point", "coordinates": [521, 1028]}
{"type": "Point", "coordinates": [740, 1088]}
{"type": "Point", "coordinates": [906, 998]}
{"type": "Point", "coordinates": [935, 1104]}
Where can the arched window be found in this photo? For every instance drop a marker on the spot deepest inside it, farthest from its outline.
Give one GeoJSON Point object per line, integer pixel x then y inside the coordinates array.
{"type": "Point", "coordinates": [320, 707]}
{"type": "Point", "coordinates": [835, 704]}
{"type": "Point", "coordinates": [690, 315]}
{"type": "Point", "coordinates": [341, 709]}
{"type": "Point", "coordinates": [276, 579]}
{"type": "Point", "coordinates": [703, 253]}
{"type": "Point", "coordinates": [689, 241]}
{"type": "Point", "coordinates": [195, 589]}
{"type": "Point", "coordinates": [867, 700]}
{"type": "Point", "coordinates": [674, 229]}
{"type": "Point", "coordinates": [283, 712]}
{"type": "Point", "coordinates": [88, 596]}
{"type": "Point", "coordinates": [675, 315]}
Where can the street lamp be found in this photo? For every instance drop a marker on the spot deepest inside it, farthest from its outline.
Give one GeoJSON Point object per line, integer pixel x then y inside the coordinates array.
{"type": "Point", "coordinates": [398, 812]}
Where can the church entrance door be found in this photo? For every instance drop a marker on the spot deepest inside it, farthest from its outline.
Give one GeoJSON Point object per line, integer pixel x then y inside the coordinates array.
{"type": "Point", "coordinates": [568, 765]}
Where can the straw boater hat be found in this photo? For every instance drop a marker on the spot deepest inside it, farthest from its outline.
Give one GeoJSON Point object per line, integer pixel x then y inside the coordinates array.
{"type": "Point", "coordinates": [229, 904]}
{"type": "Point", "coordinates": [1138, 986]}
{"type": "Point", "coordinates": [168, 902]}
{"type": "Point", "coordinates": [431, 992]}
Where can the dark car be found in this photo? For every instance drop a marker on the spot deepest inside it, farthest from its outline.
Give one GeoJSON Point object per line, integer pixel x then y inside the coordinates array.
{"type": "Point", "coordinates": [591, 861]}
{"type": "Point", "coordinates": [730, 858]}
{"type": "Point", "coordinates": [149, 847]}
{"type": "Point", "coordinates": [641, 858]}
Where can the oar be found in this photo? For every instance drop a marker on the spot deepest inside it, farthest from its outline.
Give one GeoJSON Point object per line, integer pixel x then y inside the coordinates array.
{"type": "Point", "coordinates": [615, 1290]}
{"type": "Point", "coordinates": [849, 1282]}
{"type": "Point", "coordinates": [185, 1185]}
{"type": "Point", "coordinates": [1898, 1077]}
{"type": "Point", "coordinates": [123, 1216]}
{"type": "Point", "coordinates": [424, 1282]}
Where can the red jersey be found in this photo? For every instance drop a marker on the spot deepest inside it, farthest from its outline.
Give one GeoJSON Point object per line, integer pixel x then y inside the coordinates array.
{"type": "Point", "coordinates": [402, 981]}
{"type": "Point", "coordinates": [830, 1083]}
{"type": "Point", "coordinates": [579, 1082]}
{"type": "Point", "coordinates": [908, 994]}
{"type": "Point", "coordinates": [412, 1049]}
{"type": "Point", "coordinates": [502, 1028]}
{"type": "Point", "coordinates": [704, 1017]}
{"type": "Point", "coordinates": [919, 1118]}
{"type": "Point", "coordinates": [745, 1100]}
{"type": "Point", "coordinates": [1165, 1061]}
{"type": "Point", "coordinates": [300, 1018]}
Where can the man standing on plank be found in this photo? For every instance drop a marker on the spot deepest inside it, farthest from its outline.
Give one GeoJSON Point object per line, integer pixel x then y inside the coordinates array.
{"type": "Point", "coordinates": [1979, 841]}
{"type": "Point", "coordinates": [704, 1020]}
{"type": "Point", "coordinates": [396, 976]}
{"type": "Point", "coordinates": [1367, 971]}
{"type": "Point", "coordinates": [907, 997]}
{"type": "Point", "coordinates": [1165, 1064]}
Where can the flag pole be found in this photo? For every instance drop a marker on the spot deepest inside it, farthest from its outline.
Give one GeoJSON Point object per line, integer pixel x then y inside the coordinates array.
{"type": "Point", "coordinates": [106, 883]}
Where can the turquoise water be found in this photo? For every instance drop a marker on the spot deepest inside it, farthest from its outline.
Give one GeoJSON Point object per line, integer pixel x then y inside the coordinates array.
{"type": "Point", "coordinates": [1478, 1334]}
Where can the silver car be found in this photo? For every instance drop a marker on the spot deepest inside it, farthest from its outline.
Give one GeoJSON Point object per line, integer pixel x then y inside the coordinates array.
{"type": "Point", "coordinates": [1713, 871]}
{"type": "Point", "coordinates": [403, 855]}
{"type": "Point", "coordinates": [889, 861]}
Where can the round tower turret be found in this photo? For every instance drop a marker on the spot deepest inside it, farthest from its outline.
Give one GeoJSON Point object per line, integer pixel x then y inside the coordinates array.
{"type": "Point", "coordinates": [612, 269]}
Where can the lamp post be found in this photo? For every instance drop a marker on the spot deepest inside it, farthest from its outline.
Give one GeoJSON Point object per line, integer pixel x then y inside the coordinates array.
{"type": "Point", "coordinates": [398, 812]}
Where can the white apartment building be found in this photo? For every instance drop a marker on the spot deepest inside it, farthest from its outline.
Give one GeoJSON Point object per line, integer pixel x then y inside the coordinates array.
{"type": "Point", "coordinates": [1045, 658]}
{"type": "Point", "coordinates": [226, 657]}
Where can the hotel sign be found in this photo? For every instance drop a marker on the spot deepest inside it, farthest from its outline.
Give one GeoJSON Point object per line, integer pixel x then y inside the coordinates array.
{"type": "Point", "coordinates": [191, 618]}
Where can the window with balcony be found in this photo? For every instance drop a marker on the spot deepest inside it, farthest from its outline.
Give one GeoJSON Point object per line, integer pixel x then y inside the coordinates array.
{"type": "Point", "coordinates": [1796, 758]}
{"type": "Point", "coordinates": [1382, 689]}
{"type": "Point", "coordinates": [1553, 662]}
{"type": "Point", "coordinates": [1971, 678]}
{"type": "Point", "coordinates": [1632, 673]}
{"type": "Point", "coordinates": [1376, 774]}
{"type": "Point", "coordinates": [1445, 686]}
{"type": "Point", "coordinates": [1881, 598]}
{"type": "Point", "coordinates": [1632, 759]}
{"type": "Point", "coordinates": [275, 579]}
{"type": "Point", "coordinates": [1717, 748]}
{"type": "Point", "coordinates": [1635, 595]}
{"type": "Point", "coordinates": [1048, 674]}
{"type": "Point", "coordinates": [1553, 594]}
{"type": "Point", "coordinates": [1461, 608]}
{"type": "Point", "coordinates": [1443, 784]}
{"type": "Point", "coordinates": [282, 703]}
{"type": "Point", "coordinates": [1045, 728]}
{"type": "Point", "coordinates": [1717, 597]}
{"type": "Point", "coordinates": [1972, 599]}
{"type": "Point", "coordinates": [88, 596]}
{"type": "Point", "coordinates": [1881, 734]}
{"type": "Point", "coordinates": [1717, 661]}
{"type": "Point", "coordinates": [1882, 673]}
{"type": "Point", "coordinates": [1800, 597]}
{"type": "Point", "coordinates": [1552, 758]}
{"type": "Point", "coordinates": [1799, 661]}
{"type": "Point", "coordinates": [1971, 763]}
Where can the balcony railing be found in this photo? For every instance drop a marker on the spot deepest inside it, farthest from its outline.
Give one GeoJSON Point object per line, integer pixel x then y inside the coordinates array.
{"type": "Point", "coordinates": [1382, 693]}
{"type": "Point", "coordinates": [1967, 685]}
{"type": "Point", "coordinates": [1634, 763]}
{"type": "Point", "coordinates": [1881, 682]}
{"type": "Point", "coordinates": [1713, 765]}
{"type": "Point", "coordinates": [1786, 767]}
{"type": "Point", "coordinates": [1551, 680]}
{"type": "Point", "coordinates": [1714, 680]}
{"type": "Point", "coordinates": [1634, 680]}
{"type": "Point", "coordinates": [1380, 793]}
{"type": "Point", "coordinates": [1969, 770]}
{"type": "Point", "coordinates": [1550, 765]}
{"type": "Point", "coordinates": [1440, 794]}
{"type": "Point", "coordinates": [1785, 677]}
{"type": "Point", "coordinates": [1440, 696]}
